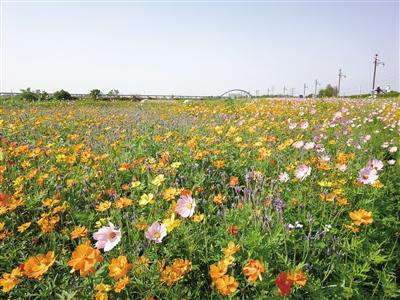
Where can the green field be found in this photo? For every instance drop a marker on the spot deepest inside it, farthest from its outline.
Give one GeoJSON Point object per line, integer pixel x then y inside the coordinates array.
{"type": "Point", "coordinates": [238, 199]}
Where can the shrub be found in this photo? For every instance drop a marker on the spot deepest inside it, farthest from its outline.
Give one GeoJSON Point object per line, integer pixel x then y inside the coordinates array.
{"type": "Point", "coordinates": [61, 95]}
{"type": "Point", "coordinates": [28, 95]}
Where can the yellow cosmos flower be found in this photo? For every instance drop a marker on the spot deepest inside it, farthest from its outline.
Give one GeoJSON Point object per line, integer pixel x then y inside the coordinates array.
{"type": "Point", "coordinates": [171, 223]}
{"type": "Point", "coordinates": [198, 218]}
{"type": "Point", "coordinates": [231, 249]}
{"type": "Point", "coordinates": [361, 217]}
{"type": "Point", "coordinates": [158, 180]}
{"type": "Point", "coordinates": [176, 165]}
{"type": "Point", "coordinates": [103, 206]}
{"type": "Point", "coordinates": [146, 199]}
{"type": "Point", "coordinates": [135, 184]}
{"type": "Point", "coordinates": [24, 227]}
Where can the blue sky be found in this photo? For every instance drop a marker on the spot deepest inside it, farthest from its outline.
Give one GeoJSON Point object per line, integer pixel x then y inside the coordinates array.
{"type": "Point", "coordinates": [197, 48]}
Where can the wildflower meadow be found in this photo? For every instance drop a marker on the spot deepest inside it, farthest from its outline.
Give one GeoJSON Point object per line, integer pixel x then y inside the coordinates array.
{"type": "Point", "coordinates": [224, 199]}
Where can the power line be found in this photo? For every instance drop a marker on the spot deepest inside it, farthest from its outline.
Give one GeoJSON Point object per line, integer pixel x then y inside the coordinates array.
{"type": "Point", "coordinates": [305, 87]}
{"type": "Point", "coordinates": [316, 86]}
{"type": "Point", "coordinates": [377, 62]}
{"type": "Point", "coordinates": [340, 77]}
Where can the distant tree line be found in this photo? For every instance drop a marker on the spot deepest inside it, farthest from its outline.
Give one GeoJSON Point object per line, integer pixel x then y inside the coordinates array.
{"type": "Point", "coordinates": [62, 95]}
{"type": "Point", "coordinates": [329, 91]}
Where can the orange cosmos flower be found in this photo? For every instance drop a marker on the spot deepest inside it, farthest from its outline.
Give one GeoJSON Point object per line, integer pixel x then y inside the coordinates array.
{"type": "Point", "coordinates": [35, 267]}
{"type": "Point", "coordinates": [141, 264]}
{"type": "Point", "coordinates": [78, 232]}
{"type": "Point", "coordinates": [123, 202]}
{"type": "Point", "coordinates": [298, 277]}
{"type": "Point", "coordinates": [354, 229]}
{"type": "Point", "coordinates": [10, 280]}
{"type": "Point", "coordinates": [170, 193]}
{"type": "Point", "coordinates": [219, 199]}
{"type": "Point", "coordinates": [226, 285]}
{"type": "Point", "coordinates": [361, 216]}
{"type": "Point", "coordinates": [4, 199]}
{"type": "Point", "coordinates": [182, 265]}
{"type": "Point", "coordinates": [253, 270]}
{"type": "Point", "coordinates": [175, 271]}
{"type": "Point", "coordinates": [231, 249]}
{"type": "Point", "coordinates": [219, 164]}
{"type": "Point", "coordinates": [141, 226]}
{"type": "Point", "coordinates": [233, 181]}
{"type": "Point", "coordinates": [121, 284]}
{"type": "Point", "coordinates": [218, 270]}
{"type": "Point", "coordinates": [118, 267]}
{"type": "Point", "coordinates": [84, 259]}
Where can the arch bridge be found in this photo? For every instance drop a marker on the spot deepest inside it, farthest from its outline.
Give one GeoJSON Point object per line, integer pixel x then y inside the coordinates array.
{"type": "Point", "coordinates": [237, 90]}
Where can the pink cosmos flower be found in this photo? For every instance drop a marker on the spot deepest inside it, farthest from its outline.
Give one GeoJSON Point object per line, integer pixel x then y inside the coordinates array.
{"type": "Point", "coordinates": [393, 149]}
{"type": "Point", "coordinates": [319, 148]}
{"type": "Point", "coordinates": [337, 115]}
{"type": "Point", "coordinates": [107, 237]}
{"type": "Point", "coordinates": [325, 158]}
{"type": "Point", "coordinates": [284, 177]}
{"type": "Point", "coordinates": [342, 167]}
{"type": "Point", "coordinates": [298, 144]}
{"type": "Point", "coordinates": [185, 206]}
{"type": "Point", "coordinates": [304, 125]}
{"type": "Point", "coordinates": [391, 162]}
{"type": "Point", "coordinates": [309, 145]}
{"type": "Point", "coordinates": [156, 232]}
{"type": "Point", "coordinates": [367, 175]}
{"type": "Point", "coordinates": [302, 172]}
{"type": "Point", "coordinates": [375, 164]}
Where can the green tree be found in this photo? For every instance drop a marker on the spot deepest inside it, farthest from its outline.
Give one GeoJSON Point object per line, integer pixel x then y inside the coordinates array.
{"type": "Point", "coordinates": [62, 95]}
{"type": "Point", "coordinates": [113, 94]}
{"type": "Point", "coordinates": [329, 91]}
{"type": "Point", "coordinates": [28, 95]}
{"type": "Point", "coordinates": [94, 94]}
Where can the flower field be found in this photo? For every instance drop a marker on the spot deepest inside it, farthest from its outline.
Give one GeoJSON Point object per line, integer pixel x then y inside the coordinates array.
{"type": "Point", "coordinates": [200, 200]}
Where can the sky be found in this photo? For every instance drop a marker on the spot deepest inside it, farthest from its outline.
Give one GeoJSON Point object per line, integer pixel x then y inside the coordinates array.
{"type": "Point", "coordinates": [197, 48]}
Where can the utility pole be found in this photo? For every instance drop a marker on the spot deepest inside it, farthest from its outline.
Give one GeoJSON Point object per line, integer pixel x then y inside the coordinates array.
{"type": "Point", "coordinates": [377, 62]}
{"type": "Point", "coordinates": [316, 87]}
{"type": "Point", "coordinates": [284, 91]}
{"type": "Point", "coordinates": [340, 77]}
{"type": "Point", "coordinates": [305, 87]}
{"type": "Point", "coordinates": [292, 92]}
{"type": "Point", "coordinates": [268, 92]}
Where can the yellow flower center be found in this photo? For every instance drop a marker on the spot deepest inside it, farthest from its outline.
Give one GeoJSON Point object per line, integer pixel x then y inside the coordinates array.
{"type": "Point", "coordinates": [112, 235]}
{"type": "Point", "coordinates": [189, 205]}
{"type": "Point", "coordinates": [157, 235]}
